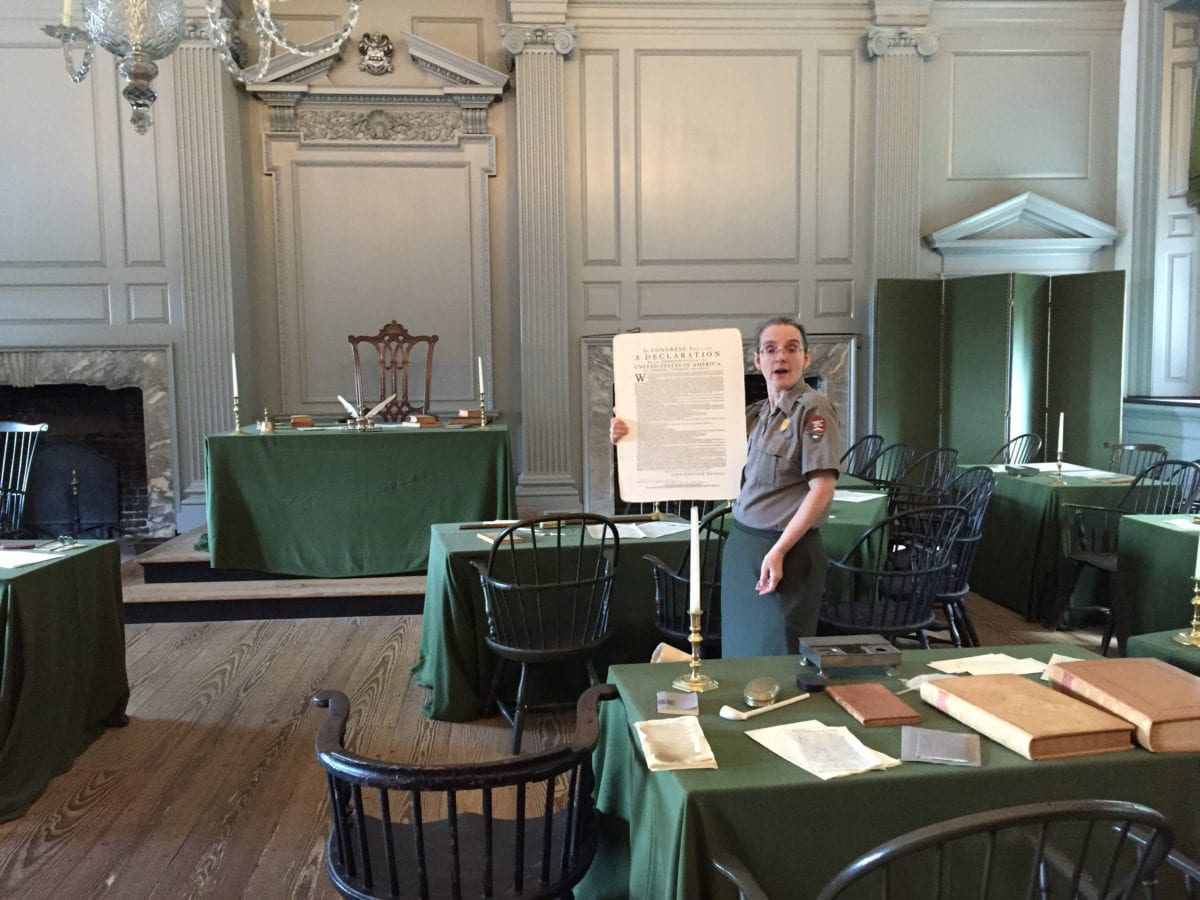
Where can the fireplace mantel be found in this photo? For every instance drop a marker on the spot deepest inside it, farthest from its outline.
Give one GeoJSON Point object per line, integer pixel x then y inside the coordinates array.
{"type": "Point", "coordinates": [147, 368]}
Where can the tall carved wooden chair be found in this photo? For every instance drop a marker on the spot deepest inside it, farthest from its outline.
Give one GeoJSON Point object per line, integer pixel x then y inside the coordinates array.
{"type": "Point", "coordinates": [18, 441]}
{"type": "Point", "coordinates": [518, 827]}
{"type": "Point", "coordinates": [395, 353]}
{"type": "Point", "coordinates": [546, 589]}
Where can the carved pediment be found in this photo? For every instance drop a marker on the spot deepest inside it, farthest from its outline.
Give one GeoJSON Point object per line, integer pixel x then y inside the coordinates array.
{"type": "Point", "coordinates": [331, 113]}
{"type": "Point", "coordinates": [1026, 224]}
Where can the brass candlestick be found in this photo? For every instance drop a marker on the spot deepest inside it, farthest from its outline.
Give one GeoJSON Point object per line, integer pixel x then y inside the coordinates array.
{"type": "Point", "coordinates": [237, 423]}
{"type": "Point", "coordinates": [1058, 479]}
{"type": "Point", "coordinates": [694, 681]}
{"type": "Point", "coordinates": [482, 411]}
{"type": "Point", "coordinates": [1192, 638]}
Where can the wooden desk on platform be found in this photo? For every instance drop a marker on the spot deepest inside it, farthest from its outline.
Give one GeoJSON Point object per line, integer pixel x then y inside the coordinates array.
{"type": "Point", "coordinates": [1020, 554]}
{"type": "Point", "coordinates": [334, 504]}
{"type": "Point", "coordinates": [62, 674]}
{"type": "Point", "coordinates": [794, 831]}
{"type": "Point", "coordinates": [456, 663]}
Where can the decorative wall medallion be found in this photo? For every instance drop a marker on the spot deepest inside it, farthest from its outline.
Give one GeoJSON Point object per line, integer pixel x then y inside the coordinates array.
{"type": "Point", "coordinates": [376, 50]}
{"type": "Point", "coordinates": [409, 126]}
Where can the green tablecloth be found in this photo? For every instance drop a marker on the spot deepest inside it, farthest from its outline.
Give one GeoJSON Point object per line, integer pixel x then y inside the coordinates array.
{"type": "Point", "coordinates": [454, 660]}
{"type": "Point", "coordinates": [794, 830]}
{"type": "Point", "coordinates": [1155, 564]}
{"type": "Point", "coordinates": [62, 674]}
{"type": "Point", "coordinates": [332, 504]}
{"type": "Point", "coordinates": [1162, 645]}
{"type": "Point", "coordinates": [1018, 564]}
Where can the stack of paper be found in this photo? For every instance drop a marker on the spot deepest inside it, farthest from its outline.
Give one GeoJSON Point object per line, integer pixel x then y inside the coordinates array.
{"type": "Point", "coordinates": [822, 750]}
{"type": "Point", "coordinates": [990, 664]}
{"type": "Point", "coordinates": [674, 744]}
{"type": "Point", "coordinates": [15, 559]}
{"type": "Point", "coordinates": [633, 531]}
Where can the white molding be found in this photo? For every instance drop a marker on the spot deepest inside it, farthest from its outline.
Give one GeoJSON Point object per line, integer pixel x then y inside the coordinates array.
{"type": "Point", "coordinates": [451, 66]}
{"type": "Point", "coordinates": [1075, 232]}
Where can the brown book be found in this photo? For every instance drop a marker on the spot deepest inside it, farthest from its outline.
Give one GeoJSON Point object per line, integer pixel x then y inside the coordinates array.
{"type": "Point", "coordinates": [463, 421]}
{"type": "Point", "coordinates": [873, 704]}
{"type": "Point", "coordinates": [408, 424]}
{"type": "Point", "coordinates": [1028, 718]}
{"type": "Point", "coordinates": [470, 414]}
{"type": "Point", "coordinates": [422, 418]}
{"type": "Point", "coordinates": [1163, 701]}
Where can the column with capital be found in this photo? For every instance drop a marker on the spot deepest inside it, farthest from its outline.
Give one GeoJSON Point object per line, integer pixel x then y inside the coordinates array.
{"type": "Point", "coordinates": [539, 53]}
{"type": "Point", "coordinates": [899, 53]}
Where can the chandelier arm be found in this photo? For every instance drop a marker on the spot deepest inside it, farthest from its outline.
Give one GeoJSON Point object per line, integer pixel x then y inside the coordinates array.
{"type": "Point", "coordinates": [77, 74]}
{"type": "Point", "coordinates": [274, 32]}
{"type": "Point", "coordinates": [219, 31]}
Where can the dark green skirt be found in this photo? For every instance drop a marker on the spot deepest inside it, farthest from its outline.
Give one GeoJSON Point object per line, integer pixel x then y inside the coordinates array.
{"type": "Point", "coordinates": [769, 624]}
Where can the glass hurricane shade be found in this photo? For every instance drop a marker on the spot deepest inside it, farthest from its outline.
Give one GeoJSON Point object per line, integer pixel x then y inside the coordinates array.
{"type": "Point", "coordinates": [138, 33]}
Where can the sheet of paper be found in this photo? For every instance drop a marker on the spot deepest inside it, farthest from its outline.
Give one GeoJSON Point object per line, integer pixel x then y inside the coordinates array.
{"type": "Point", "coordinates": [627, 531]}
{"type": "Point", "coordinates": [990, 664]}
{"type": "Point", "coordinates": [856, 496]}
{"type": "Point", "coordinates": [931, 745]}
{"type": "Point", "coordinates": [821, 750]}
{"type": "Point", "coordinates": [1053, 467]}
{"type": "Point", "coordinates": [1184, 523]}
{"type": "Point", "coordinates": [15, 559]}
{"type": "Point", "coordinates": [677, 743]}
{"type": "Point", "coordinates": [1058, 658]}
{"type": "Point", "coordinates": [682, 394]}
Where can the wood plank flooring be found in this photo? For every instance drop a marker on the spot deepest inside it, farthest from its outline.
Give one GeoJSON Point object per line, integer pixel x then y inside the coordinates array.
{"type": "Point", "coordinates": [213, 789]}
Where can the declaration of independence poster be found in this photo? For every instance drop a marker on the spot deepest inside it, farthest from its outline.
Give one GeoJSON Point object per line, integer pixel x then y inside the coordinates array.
{"type": "Point", "coordinates": [682, 394]}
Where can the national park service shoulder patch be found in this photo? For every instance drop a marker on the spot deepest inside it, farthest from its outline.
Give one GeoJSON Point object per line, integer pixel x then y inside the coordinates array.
{"type": "Point", "coordinates": [815, 428]}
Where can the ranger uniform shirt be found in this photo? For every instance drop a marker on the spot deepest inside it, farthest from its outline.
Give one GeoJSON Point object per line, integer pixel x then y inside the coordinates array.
{"type": "Point", "coordinates": [785, 445]}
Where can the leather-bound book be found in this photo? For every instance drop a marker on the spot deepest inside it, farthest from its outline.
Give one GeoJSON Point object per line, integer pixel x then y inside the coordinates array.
{"type": "Point", "coordinates": [1163, 701]}
{"type": "Point", "coordinates": [873, 704]}
{"type": "Point", "coordinates": [1028, 718]}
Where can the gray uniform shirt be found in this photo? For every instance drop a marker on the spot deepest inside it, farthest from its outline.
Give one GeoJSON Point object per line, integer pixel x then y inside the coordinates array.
{"type": "Point", "coordinates": [784, 446]}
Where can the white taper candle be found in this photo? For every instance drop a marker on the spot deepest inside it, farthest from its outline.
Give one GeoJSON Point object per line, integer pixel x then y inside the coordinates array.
{"type": "Point", "coordinates": [479, 359]}
{"type": "Point", "coordinates": [1197, 575]}
{"type": "Point", "coordinates": [233, 365]}
{"type": "Point", "coordinates": [1060, 432]}
{"type": "Point", "coordinates": [694, 558]}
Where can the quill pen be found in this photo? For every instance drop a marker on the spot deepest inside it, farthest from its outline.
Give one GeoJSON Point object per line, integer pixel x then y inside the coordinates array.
{"type": "Point", "coordinates": [380, 405]}
{"type": "Point", "coordinates": [346, 403]}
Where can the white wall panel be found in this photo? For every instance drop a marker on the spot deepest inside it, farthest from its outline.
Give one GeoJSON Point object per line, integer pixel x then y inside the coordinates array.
{"type": "Point", "coordinates": [715, 299]}
{"type": "Point", "coordinates": [1179, 137]}
{"type": "Point", "coordinates": [1007, 124]}
{"type": "Point", "coordinates": [602, 300]}
{"type": "Point", "coordinates": [835, 157]}
{"type": "Point", "coordinates": [142, 218]}
{"type": "Point", "coordinates": [601, 214]}
{"type": "Point", "coordinates": [409, 259]}
{"type": "Point", "coordinates": [75, 303]}
{"type": "Point", "coordinates": [717, 156]}
{"type": "Point", "coordinates": [834, 299]}
{"type": "Point", "coordinates": [1179, 315]}
{"type": "Point", "coordinates": [148, 304]}
{"type": "Point", "coordinates": [50, 194]}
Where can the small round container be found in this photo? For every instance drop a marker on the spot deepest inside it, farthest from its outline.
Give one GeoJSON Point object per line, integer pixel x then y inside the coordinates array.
{"type": "Point", "coordinates": [761, 691]}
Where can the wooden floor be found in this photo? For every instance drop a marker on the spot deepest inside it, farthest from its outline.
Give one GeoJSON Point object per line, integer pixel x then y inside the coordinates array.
{"type": "Point", "coordinates": [213, 789]}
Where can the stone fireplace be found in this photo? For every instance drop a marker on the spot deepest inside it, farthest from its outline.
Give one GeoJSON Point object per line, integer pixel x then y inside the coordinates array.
{"type": "Point", "coordinates": [145, 368]}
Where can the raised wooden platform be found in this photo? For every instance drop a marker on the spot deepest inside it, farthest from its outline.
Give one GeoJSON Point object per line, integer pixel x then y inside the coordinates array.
{"type": "Point", "coordinates": [174, 583]}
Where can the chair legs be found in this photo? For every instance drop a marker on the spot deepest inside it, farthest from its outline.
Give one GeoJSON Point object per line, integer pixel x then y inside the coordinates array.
{"type": "Point", "coordinates": [515, 713]}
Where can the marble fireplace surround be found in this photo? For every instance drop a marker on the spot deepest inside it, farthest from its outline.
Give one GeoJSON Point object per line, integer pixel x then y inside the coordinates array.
{"type": "Point", "coordinates": [833, 357]}
{"type": "Point", "coordinates": [146, 368]}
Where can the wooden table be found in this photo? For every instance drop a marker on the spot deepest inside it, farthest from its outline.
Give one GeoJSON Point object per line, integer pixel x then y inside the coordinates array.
{"type": "Point", "coordinates": [62, 668]}
{"type": "Point", "coordinates": [1162, 645]}
{"type": "Point", "coordinates": [454, 660]}
{"type": "Point", "coordinates": [334, 503]}
{"type": "Point", "coordinates": [1020, 553]}
{"type": "Point", "coordinates": [1156, 559]}
{"type": "Point", "coordinates": [795, 831]}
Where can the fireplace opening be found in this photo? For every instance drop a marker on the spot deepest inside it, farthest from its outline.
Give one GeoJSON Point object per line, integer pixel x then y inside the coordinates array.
{"type": "Point", "coordinates": [89, 475]}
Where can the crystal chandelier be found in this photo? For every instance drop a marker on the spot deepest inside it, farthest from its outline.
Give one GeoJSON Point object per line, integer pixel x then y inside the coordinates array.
{"type": "Point", "coordinates": [141, 32]}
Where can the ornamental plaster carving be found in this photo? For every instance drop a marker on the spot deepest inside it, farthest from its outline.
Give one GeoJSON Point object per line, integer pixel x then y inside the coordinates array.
{"type": "Point", "coordinates": [516, 38]}
{"type": "Point", "coordinates": [376, 50]}
{"type": "Point", "coordinates": [417, 126]}
{"type": "Point", "coordinates": [901, 42]}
